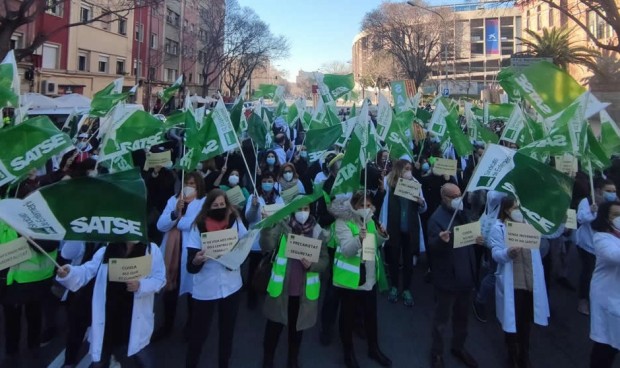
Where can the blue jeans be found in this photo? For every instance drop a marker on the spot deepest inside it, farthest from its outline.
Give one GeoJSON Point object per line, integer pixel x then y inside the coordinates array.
{"type": "Point", "coordinates": [487, 284]}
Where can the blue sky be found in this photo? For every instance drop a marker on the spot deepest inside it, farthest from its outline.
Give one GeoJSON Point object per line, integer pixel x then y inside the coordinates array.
{"type": "Point", "coordinates": [319, 31]}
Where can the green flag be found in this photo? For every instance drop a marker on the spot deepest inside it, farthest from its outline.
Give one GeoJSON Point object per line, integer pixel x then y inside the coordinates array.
{"type": "Point", "coordinates": [514, 126]}
{"type": "Point", "coordinates": [334, 86]}
{"type": "Point", "coordinates": [610, 134]}
{"type": "Point", "coordinates": [396, 140]}
{"type": "Point", "coordinates": [294, 205]}
{"type": "Point", "coordinates": [320, 140]}
{"type": "Point", "coordinates": [485, 134]}
{"type": "Point", "coordinates": [221, 136]}
{"type": "Point", "coordinates": [348, 177]}
{"type": "Point", "coordinates": [534, 184]}
{"type": "Point", "coordinates": [400, 94]}
{"type": "Point", "coordinates": [106, 99]}
{"type": "Point", "coordinates": [237, 110]}
{"type": "Point", "coordinates": [384, 117]}
{"type": "Point", "coordinates": [115, 210]}
{"type": "Point", "coordinates": [267, 91]}
{"type": "Point", "coordinates": [195, 140]}
{"type": "Point", "coordinates": [496, 112]}
{"type": "Point", "coordinates": [9, 82]}
{"type": "Point", "coordinates": [257, 131]}
{"type": "Point", "coordinates": [460, 141]}
{"type": "Point", "coordinates": [169, 92]}
{"type": "Point", "coordinates": [28, 146]}
{"type": "Point", "coordinates": [595, 152]}
{"type": "Point", "coordinates": [437, 123]}
{"type": "Point", "coordinates": [533, 131]}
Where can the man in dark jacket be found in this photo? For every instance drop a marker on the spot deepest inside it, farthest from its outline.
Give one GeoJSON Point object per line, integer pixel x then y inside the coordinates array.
{"type": "Point", "coordinates": [453, 277]}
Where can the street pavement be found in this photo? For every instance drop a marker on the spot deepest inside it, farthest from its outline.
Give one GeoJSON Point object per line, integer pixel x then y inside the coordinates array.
{"type": "Point", "coordinates": [404, 335]}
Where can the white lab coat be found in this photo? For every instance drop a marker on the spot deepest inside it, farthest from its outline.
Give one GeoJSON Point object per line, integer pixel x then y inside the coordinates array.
{"type": "Point", "coordinates": [184, 224]}
{"type": "Point", "coordinates": [142, 317]}
{"type": "Point", "coordinates": [584, 233]}
{"type": "Point", "coordinates": [504, 283]}
{"type": "Point", "coordinates": [254, 215]}
{"type": "Point", "coordinates": [604, 291]}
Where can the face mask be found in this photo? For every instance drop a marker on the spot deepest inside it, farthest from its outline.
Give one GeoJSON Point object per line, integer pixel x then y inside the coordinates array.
{"type": "Point", "coordinates": [233, 180]}
{"type": "Point", "coordinates": [288, 176]}
{"type": "Point", "coordinates": [302, 216]}
{"type": "Point", "coordinates": [616, 223]}
{"type": "Point", "coordinates": [267, 187]}
{"type": "Point", "coordinates": [516, 215]}
{"type": "Point", "coordinates": [426, 167]}
{"type": "Point", "coordinates": [407, 175]}
{"type": "Point", "coordinates": [365, 213]}
{"type": "Point", "coordinates": [457, 204]}
{"type": "Point", "coordinates": [609, 196]}
{"type": "Point", "coordinates": [81, 145]}
{"type": "Point", "coordinates": [189, 191]}
{"type": "Point", "coordinates": [271, 160]}
{"type": "Point", "coordinates": [303, 154]}
{"type": "Point", "coordinates": [217, 213]}
{"type": "Point", "coordinates": [199, 166]}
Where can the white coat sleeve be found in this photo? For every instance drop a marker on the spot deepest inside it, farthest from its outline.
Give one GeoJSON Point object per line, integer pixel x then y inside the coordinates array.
{"type": "Point", "coordinates": [165, 222]}
{"type": "Point", "coordinates": [194, 238]}
{"type": "Point", "coordinates": [157, 278]}
{"type": "Point", "coordinates": [349, 244]}
{"type": "Point", "coordinates": [584, 214]}
{"type": "Point", "coordinates": [498, 245]}
{"type": "Point", "coordinates": [241, 229]}
{"type": "Point", "coordinates": [252, 213]}
{"type": "Point", "coordinates": [607, 250]}
{"type": "Point", "coordinates": [301, 188]}
{"type": "Point", "coordinates": [186, 221]}
{"type": "Point", "coordinates": [72, 250]}
{"type": "Point", "coordinates": [80, 275]}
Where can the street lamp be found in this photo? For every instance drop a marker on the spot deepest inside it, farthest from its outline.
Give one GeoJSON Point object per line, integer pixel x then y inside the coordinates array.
{"type": "Point", "coordinates": [443, 36]}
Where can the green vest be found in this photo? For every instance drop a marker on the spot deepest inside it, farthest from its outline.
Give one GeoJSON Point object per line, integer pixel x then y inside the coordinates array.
{"type": "Point", "coordinates": [347, 269]}
{"type": "Point", "coordinates": [278, 271]}
{"type": "Point", "coordinates": [37, 268]}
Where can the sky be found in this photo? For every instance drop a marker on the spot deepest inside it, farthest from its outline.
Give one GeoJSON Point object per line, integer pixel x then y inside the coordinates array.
{"type": "Point", "coordinates": [319, 31]}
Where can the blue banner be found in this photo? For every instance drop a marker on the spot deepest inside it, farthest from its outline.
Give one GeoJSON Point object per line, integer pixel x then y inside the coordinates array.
{"type": "Point", "coordinates": [492, 36]}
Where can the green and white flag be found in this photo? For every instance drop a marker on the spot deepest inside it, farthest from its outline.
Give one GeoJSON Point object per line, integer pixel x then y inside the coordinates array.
{"type": "Point", "coordinates": [459, 140]}
{"type": "Point", "coordinates": [221, 136]}
{"type": "Point", "coordinates": [195, 141]}
{"type": "Point", "coordinates": [610, 134]}
{"type": "Point", "coordinates": [348, 177]}
{"type": "Point", "coordinates": [320, 140]}
{"type": "Point", "coordinates": [514, 126]}
{"type": "Point", "coordinates": [534, 184]}
{"type": "Point", "coordinates": [334, 86]}
{"type": "Point", "coordinates": [9, 82]}
{"type": "Point", "coordinates": [396, 140]}
{"type": "Point", "coordinates": [114, 211]}
{"type": "Point", "coordinates": [437, 124]}
{"type": "Point", "coordinates": [106, 99]}
{"type": "Point", "coordinates": [595, 153]}
{"type": "Point", "coordinates": [493, 112]}
{"type": "Point", "coordinates": [258, 131]}
{"type": "Point", "coordinates": [384, 117]}
{"type": "Point", "coordinates": [28, 146]}
{"type": "Point", "coordinates": [130, 131]}
{"type": "Point", "coordinates": [267, 91]}
{"type": "Point", "coordinates": [400, 94]}
{"type": "Point", "coordinates": [289, 209]}
{"type": "Point", "coordinates": [169, 92]}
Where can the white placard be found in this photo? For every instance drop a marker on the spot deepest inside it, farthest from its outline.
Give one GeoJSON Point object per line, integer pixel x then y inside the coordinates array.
{"type": "Point", "coordinates": [218, 243]}
{"type": "Point", "coordinates": [369, 247]}
{"type": "Point", "coordinates": [302, 247]}
{"type": "Point", "coordinates": [235, 195]}
{"type": "Point", "coordinates": [409, 189]}
{"type": "Point", "coordinates": [521, 235]}
{"type": "Point", "coordinates": [465, 235]}
{"type": "Point", "coordinates": [14, 252]}
{"type": "Point", "coordinates": [270, 209]}
{"type": "Point", "coordinates": [157, 159]}
{"type": "Point", "coordinates": [444, 166]}
{"type": "Point", "coordinates": [129, 269]}
{"type": "Point", "coordinates": [571, 219]}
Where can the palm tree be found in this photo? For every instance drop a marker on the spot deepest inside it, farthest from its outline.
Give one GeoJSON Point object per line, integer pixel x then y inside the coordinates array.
{"type": "Point", "coordinates": [556, 43]}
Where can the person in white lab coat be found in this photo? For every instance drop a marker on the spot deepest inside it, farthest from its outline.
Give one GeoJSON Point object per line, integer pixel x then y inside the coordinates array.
{"type": "Point", "coordinates": [215, 286]}
{"type": "Point", "coordinates": [122, 314]}
{"type": "Point", "coordinates": [520, 290]}
{"type": "Point", "coordinates": [175, 221]}
{"type": "Point", "coordinates": [604, 291]}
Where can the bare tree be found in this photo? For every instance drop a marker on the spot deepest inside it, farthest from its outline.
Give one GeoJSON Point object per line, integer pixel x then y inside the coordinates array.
{"type": "Point", "coordinates": [413, 36]}
{"type": "Point", "coordinates": [336, 67]}
{"type": "Point", "coordinates": [17, 13]}
{"type": "Point", "coordinates": [378, 70]}
{"type": "Point", "coordinates": [607, 11]}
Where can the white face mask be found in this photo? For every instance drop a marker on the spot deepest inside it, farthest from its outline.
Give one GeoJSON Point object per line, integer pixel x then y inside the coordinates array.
{"type": "Point", "coordinates": [457, 204]}
{"type": "Point", "coordinates": [408, 175]}
{"type": "Point", "coordinates": [516, 215]}
{"type": "Point", "coordinates": [199, 166]}
{"type": "Point", "coordinates": [302, 216]}
{"type": "Point", "coordinates": [189, 191]}
{"type": "Point", "coordinates": [233, 180]}
{"type": "Point", "coordinates": [616, 223]}
{"type": "Point", "coordinates": [365, 213]}
{"type": "Point", "coordinates": [288, 176]}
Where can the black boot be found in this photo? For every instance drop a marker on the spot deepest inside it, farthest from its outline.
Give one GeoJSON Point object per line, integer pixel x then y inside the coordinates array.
{"type": "Point", "coordinates": [350, 361]}
{"type": "Point", "coordinates": [377, 355]}
{"type": "Point", "coordinates": [513, 355]}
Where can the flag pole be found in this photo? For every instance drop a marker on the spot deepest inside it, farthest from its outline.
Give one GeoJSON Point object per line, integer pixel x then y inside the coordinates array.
{"type": "Point", "coordinates": [591, 181]}
{"type": "Point", "coordinates": [417, 160]}
{"type": "Point", "coordinates": [32, 242]}
{"type": "Point", "coordinates": [455, 212]}
{"type": "Point", "coordinates": [245, 161]}
{"type": "Point", "coordinates": [365, 185]}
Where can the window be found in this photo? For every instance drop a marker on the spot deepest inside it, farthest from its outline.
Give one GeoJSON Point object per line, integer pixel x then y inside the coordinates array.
{"type": "Point", "coordinates": [171, 75]}
{"type": "Point", "coordinates": [172, 47]}
{"type": "Point", "coordinates": [139, 32]}
{"type": "Point", "coordinates": [105, 21]}
{"type": "Point", "coordinates": [598, 27]}
{"type": "Point", "coordinates": [103, 64]}
{"type": "Point", "coordinates": [172, 18]}
{"type": "Point", "coordinates": [551, 17]}
{"type": "Point", "coordinates": [122, 26]}
{"type": "Point", "coordinates": [17, 41]}
{"type": "Point", "coordinates": [152, 73]}
{"type": "Point", "coordinates": [538, 18]}
{"type": "Point", "coordinates": [86, 12]}
{"type": "Point", "coordinates": [137, 67]}
{"type": "Point", "coordinates": [83, 61]}
{"type": "Point", "coordinates": [54, 7]}
{"type": "Point", "coordinates": [50, 56]}
{"type": "Point", "coordinates": [153, 42]}
{"type": "Point", "coordinates": [190, 77]}
{"type": "Point", "coordinates": [120, 66]}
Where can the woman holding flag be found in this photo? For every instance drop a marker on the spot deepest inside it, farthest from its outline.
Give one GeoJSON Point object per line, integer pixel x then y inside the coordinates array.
{"type": "Point", "coordinates": [294, 287]}
{"type": "Point", "coordinates": [354, 275]}
{"type": "Point", "coordinates": [214, 286]}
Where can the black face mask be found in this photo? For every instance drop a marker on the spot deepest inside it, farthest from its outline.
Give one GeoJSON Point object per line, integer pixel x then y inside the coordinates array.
{"type": "Point", "coordinates": [218, 213]}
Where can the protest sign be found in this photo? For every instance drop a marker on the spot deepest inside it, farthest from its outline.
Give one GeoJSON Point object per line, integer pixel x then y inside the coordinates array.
{"type": "Point", "coordinates": [521, 235]}
{"type": "Point", "coordinates": [290, 193]}
{"type": "Point", "coordinates": [566, 164]}
{"type": "Point", "coordinates": [409, 189]}
{"type": "Point", "coordinates": [571, 219]}
{"type": "Point", "coordinates": [157, 159]}
{"type": "Point", "coordinates": [233, 259]}
{"type": "Point", "coordinates": [302, 247]}
{"type": "Point", "coordinates": [129, 269]}
{"type": "Point", "coordinates": [465, 235]}
{"type": "Point", "coordinates": [270, 209]}
{"type": "Point", "coordinates": [444, 166]}
{"type": "Point", "coordinates": [369, 247]}
{"type": "Point", "coordinates": [218, 243]}
{"type": "Point", "coordinates": [235, 195]}
{"type": "Point", "coordinates": [14, 252]}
